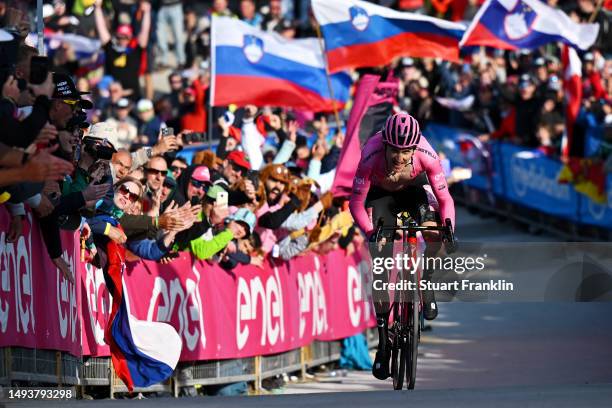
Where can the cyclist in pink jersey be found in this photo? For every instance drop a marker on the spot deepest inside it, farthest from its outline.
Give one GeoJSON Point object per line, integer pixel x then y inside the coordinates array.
{"type": "Point", "coordinates": [400, 171]}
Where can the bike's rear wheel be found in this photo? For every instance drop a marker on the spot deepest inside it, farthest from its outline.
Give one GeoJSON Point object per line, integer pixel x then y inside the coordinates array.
{"type": "Point", "coordinates": [412, 348]}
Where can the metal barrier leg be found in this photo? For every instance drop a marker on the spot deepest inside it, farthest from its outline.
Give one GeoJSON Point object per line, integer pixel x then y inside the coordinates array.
{"type": "Point", "coordinates": [58, 367]}
{"type": "Point", "coordinates": [111, 376]}
{"type": "Point", "coordinates": [257, 375]}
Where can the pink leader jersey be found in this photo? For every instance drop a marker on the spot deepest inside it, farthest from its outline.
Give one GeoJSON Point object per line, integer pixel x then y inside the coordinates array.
{"type": "Point", "coordinates": [372, 170]}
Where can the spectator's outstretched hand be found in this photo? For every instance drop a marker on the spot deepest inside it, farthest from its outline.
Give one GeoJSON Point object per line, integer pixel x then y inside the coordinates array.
{"type": "Point", "coordinates": [63, 267]}
{"type": "Point", "coordinates": [164, 144]}
{"type": "Point", "coordinates": [46, 88]}
{"type": "Point", "coordinates": [218, 214]}
{"type": "Point", "coordinates": [44, 208]}
{"type": "Point", "coordinates": [43, 166]}
{"type": "Point", "coordinates": [292, 128]}
{"type": "Point", "coordinates": [95, 192]}
{"type": "Point", "coordinates": [117, 235]}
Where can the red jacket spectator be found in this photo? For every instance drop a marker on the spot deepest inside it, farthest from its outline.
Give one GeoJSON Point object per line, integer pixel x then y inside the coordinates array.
{"type": "Point", "coordinates": [195, 120]}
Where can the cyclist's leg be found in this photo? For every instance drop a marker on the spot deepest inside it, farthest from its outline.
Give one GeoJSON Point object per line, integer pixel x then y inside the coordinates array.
{"type": "Point", "coordinates": [381, 204]}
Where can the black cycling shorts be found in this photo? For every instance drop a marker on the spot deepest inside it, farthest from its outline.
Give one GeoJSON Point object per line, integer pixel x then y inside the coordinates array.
{"type": "Point", "coordinates": [387, 204]}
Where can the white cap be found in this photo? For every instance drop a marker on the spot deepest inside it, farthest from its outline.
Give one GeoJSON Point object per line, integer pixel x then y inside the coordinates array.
{"type": "Point", "coordinates": [5, 36]}
{"type": "Point", "coordinates": [102, 130]}
{"type": "Point", "coordinates": [144, 105]}
{"type": "Point", "coordinates": [123, 103]}
{"type": "Point", "coordinates": [47, 10]}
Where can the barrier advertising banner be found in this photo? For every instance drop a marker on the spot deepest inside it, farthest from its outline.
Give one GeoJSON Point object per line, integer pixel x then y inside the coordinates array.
{"type": "Point", "coordinates": [39, 308]}
{"type": "Point", "coordinates": [244, 312]}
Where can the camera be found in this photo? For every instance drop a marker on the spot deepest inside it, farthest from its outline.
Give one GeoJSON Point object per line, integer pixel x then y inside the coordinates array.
{"type": "Point", "coordinates": [77, 121]}
{"type": "Point", "coordinates": [96, 149]}
{"type": "Point", "coordinates": [195, 137]}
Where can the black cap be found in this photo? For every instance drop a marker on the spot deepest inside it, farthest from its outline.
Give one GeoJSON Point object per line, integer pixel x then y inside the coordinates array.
{"type": "Point", "coordinates": [283, 25]}
{"type": "Point", "coordinates": [66, 89]}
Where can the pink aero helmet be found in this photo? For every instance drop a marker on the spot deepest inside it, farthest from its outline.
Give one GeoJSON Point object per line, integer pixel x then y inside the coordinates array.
{"type": "Point", "coordinates": [402, 131]}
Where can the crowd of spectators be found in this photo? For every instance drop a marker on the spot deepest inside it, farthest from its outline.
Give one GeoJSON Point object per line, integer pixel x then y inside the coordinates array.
{"type": "Point", "coordinates": [96, 146]}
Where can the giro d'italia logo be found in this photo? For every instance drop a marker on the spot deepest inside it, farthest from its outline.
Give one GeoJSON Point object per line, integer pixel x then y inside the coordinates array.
{"type": "Point", "coordinates": [359, 18]}
{"type": "Point", "coordinates": [519, 23]}
{"type": "Point", "coordinates": [253, 48]}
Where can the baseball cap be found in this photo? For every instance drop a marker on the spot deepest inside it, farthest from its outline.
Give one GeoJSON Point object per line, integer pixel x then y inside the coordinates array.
{"type": "Point", "coordinates": [246, 217]}
{"type": "Point", "coordinates": [102, 130]}
{"type": "Point", "coordinates": [539, 62]}
{"type": "Point", "coordinates": [213, 191]}
{"type": "Point", "coordinates": [201, 173]}
{"type": "Point", "coordinates": [144, 105]}
{"type": "Point", "coordinates": [123, 103]}
{"type": "Point", "coordinates": [239, 158]}
{"type": "Point", "coordinates": [589, 56]}
{"type": "Point", "coordinates": [66, 89]}
{"type": "Point", "coordinates": [407, 62]}
{"type": "Point", "coordinates": [125, 30]}
{"type": "Point", "coordinates": [235, 133]}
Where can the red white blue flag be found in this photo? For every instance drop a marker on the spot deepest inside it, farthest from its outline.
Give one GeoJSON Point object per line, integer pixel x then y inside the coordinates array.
{"type": "Point", "coordinates": [526, 24]}
{"type": "Point", "coordinates": [250, 66]}
{"type": "Point", "coordinates": [361, 34]}
{"type": "Point", "coordinates": [143, 352]}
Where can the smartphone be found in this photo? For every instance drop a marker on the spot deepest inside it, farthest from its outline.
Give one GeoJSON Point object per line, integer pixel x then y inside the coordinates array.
{"type": "Point", "coordinates": [195, 200]}
{"type": "Point", "coordinates": [39, 70]}
{"type": "Point", "coordinates": [222, 199]}
{"type": "Point", "coordinates": [167, 131]}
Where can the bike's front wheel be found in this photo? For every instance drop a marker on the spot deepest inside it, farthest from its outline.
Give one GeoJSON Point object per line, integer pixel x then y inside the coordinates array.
{"type": "Point", "coordinates": [412, 346]}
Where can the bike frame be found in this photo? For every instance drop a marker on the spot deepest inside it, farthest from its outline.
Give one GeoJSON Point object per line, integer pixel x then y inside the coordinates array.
{"type": "Point", "coordinates": [408, 317]}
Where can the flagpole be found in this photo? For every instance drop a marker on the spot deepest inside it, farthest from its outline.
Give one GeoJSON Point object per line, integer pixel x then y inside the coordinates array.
{"type": "Point", "coordinates": [40, 27]}
{"type": "Point", "coordinates": [596, 11]}
{"type": "Point", "coordinates": [329, 84]}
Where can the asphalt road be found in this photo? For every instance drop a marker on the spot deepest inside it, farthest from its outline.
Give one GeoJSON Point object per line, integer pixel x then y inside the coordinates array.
{"type": "Point", "coordinates": [536, 354]}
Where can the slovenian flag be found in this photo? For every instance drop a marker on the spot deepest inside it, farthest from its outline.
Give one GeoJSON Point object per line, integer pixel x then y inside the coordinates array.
{"type": "Point", "coordinates": [526, 24]}
{"type": "Point", "coordinates": [143, 353]}
{"type": "Point", "coordinates": [360, 34]}
{"type": "Point", "coordinates": [250, 66]}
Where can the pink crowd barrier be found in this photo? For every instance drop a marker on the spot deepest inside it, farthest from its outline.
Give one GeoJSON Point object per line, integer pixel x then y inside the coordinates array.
{"type": "Point", "coordinates": [219, 314]}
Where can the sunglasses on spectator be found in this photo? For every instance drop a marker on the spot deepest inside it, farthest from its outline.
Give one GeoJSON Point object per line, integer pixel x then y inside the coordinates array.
{"type": "Point", "coordinates": [198, 184]}
{"type": "Point", "coordinates": [176, 168]}
{"type": "Point", "coordinates": [239, 169]}
{"type": "Point", "coordinates": [156, 172]}
{"type": "Point", "coordinates": [133, 197]}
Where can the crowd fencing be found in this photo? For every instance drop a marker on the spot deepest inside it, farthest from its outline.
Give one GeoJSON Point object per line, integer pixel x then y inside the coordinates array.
{"type": "Point", "coordinates": [241, 325]}
{"type": "Point", "coordinates": [521, 184]}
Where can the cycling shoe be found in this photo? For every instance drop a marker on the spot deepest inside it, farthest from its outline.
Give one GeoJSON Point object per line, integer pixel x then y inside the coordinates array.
{"type": "Point", "coordinates": [380, 369]}
{"type": "Point", "coordinates": [430, 307]}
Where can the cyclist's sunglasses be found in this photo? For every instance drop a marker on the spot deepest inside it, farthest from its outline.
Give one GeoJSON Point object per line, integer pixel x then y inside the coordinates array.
{"type": "Point", "coordinates": [133, 197]}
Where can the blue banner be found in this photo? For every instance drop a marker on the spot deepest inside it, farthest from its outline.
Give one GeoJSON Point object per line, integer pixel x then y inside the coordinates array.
{"type": "Point", "coordinates": [531, 180]}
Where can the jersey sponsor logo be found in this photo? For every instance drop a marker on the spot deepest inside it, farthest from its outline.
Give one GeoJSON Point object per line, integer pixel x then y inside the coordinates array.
{"type": "Point", "coordinates": [439, 176]}
{"type": "Point", "coordinates": [427, 152]}
{"type": "Point", "coordinates": [359, 181]}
